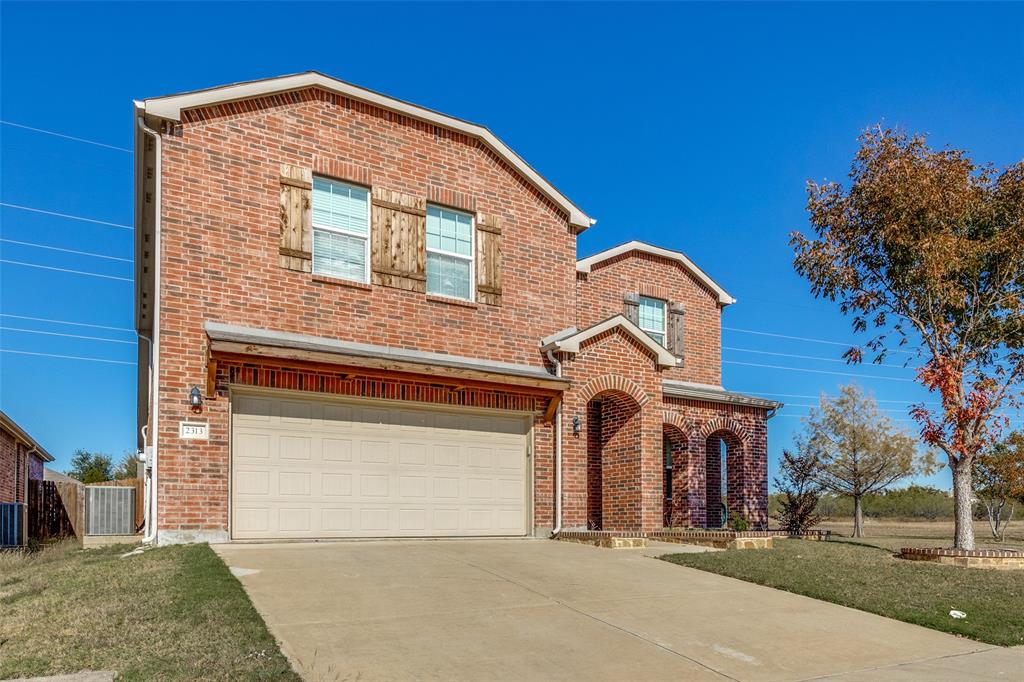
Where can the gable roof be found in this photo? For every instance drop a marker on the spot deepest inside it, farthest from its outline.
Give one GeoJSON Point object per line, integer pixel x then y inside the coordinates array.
{"type": "Point", "coordinates": [585, 264]}
{"type": "Point", "coordinates": [11, 426]}
{"type": "Point", "coordinates": [170, 107]}
{"type": "Point", "coordinates": [569, 340]}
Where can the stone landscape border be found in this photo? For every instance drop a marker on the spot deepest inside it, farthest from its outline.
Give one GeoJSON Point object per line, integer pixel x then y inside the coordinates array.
{"type": "Point", "coordinates": [995, 559]}
{"type": "Point", "coordinates": [719, 539]}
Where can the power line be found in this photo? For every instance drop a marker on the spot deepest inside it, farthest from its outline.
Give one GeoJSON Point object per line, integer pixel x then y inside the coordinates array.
{"type": "Point", "coordinates": [77, 324]}
{"type": "Point", "coordinates": [815, 371]}
{"type": "Point", "coordinates": [881, 409]}
{"type": "Point", "coordinates": [66, 357]}
{"type": "Point", "coordinates": [815, 397]}
{"type": "Point", "coordinates": [66, 137]}
{"type": "Point", "coordinates": [65, 269]}
{"type": "Point", "coordinates": [801, 416]}
{"type": "Point", "coordinates": [73, 336]}
{"type": "Point", "coordinates": [58, 248]}
{"type": "Point", "coordinates": [801, 338]}
{"type": "Point", "coordinates": [66, 215]}
{"type": "Point", "coordinates": [805, 357]}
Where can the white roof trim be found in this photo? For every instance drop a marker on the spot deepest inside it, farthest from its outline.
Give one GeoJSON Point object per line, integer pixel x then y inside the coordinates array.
{"type": "Point", "coordinates": [585, 264]}
{"type": "Point", "coordinates": [571, 344]}
{"type": "Point", "coordinates": [171, 106]}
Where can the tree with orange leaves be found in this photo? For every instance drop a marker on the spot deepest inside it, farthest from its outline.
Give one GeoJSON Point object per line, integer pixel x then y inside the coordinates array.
{"type": "Point", "coordinates": [999, 473]}
{"type": "Point", "coordinates": [926, 248]}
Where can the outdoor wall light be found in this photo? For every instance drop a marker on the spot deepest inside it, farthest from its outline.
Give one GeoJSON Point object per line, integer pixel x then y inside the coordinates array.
{"type": "Point", "coordinates": [576, 426]}
{"type": "Point", "coordinates": [195, 399]}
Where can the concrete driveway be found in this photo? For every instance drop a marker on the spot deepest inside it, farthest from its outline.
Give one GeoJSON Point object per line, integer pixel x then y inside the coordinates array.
{"type": "Point", "coordinates": [543, 610]}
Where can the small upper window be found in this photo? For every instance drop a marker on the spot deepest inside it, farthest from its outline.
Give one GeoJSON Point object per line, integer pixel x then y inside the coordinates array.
{"type": "Point", "coordinates": [341, 230]}
{"type": "Point", "coordinates": [652, 318]}
{"type": "Point", "coordinates": [449, 253]}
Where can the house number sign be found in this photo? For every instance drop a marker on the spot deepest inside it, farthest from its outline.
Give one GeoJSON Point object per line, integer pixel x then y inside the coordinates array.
{"type": "Point", "coordinates": [194, 430]}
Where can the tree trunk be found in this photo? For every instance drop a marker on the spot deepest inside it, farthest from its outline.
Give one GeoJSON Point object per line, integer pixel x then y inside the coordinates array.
{"type": "Point", "coordinates": [1009, 517]}
{"type": "Point", "coordinates": [963, 490]}
{"type": "Point", "coordinates": [858, 518]}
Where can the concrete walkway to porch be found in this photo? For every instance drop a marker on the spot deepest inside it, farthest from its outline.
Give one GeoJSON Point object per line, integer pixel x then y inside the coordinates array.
{"type": "Point", "coordinates": [544, 610]}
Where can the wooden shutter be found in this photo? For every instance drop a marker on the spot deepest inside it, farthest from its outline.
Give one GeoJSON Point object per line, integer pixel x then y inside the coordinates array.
{"type": "Point", "coordinates": [488, 259]}
{"type": "Point", "coordinates": [296, 250]}
{"type": "Point", "coordinates": [676, 329]}
{"type": "Point", "coordinates": [632, 308]}
{"type": "Point", "coordinates": [398, 245]}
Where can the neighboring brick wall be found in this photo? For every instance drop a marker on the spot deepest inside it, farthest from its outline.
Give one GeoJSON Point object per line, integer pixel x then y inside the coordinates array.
{"type": "Point", "coordinates": [12, 471]}
{"type": "Point", "coordinates": [220, 224]}
{"type": "Point", "coordinates": [35, 468]}
{"type": "Point", "coordinates": [601, 292]}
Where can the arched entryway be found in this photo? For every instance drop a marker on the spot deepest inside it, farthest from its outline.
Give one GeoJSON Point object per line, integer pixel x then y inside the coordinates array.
{"type": "Point", "coordinates": [614, 481]}
{"type": "Point", "coordinates": [723, 477]}
{"type": "Point", "coordinates": [675, 474]}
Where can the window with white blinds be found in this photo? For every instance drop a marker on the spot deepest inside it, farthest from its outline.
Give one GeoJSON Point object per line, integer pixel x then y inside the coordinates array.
{"type": "Point", "coordinates": [652, 318]}
{"type": "Point", "coordinates": [341, 230]}
{"type": "Point", "coordinates": [449, 253]}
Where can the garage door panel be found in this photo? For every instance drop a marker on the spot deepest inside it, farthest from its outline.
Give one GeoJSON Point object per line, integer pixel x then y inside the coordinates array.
{"type": "Point", "coordinates": [308, 469]}
{"type": "Point", "coordinates": [336, 449]}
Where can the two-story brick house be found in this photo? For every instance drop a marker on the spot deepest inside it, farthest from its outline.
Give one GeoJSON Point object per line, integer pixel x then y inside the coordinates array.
{"type": "Point", "coordinates": [365, 318]}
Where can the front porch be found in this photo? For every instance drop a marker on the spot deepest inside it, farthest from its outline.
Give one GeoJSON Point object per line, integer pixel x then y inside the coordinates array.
{"type": "Point", "coordinates": [644, 453]}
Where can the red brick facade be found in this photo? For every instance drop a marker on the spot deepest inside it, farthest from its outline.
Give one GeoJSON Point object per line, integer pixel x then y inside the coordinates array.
{"type": "Point", "coordinates": [18, 465]}
{"type": "Point", "coordinates": [220, 221]}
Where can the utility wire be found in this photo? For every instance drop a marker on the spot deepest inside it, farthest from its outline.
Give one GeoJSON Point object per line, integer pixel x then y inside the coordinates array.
{"type": "Point", "coordinates": [815, 397]}
{"type": "Point", "coordinates": [66, 215]}
{"type": "Point", "coordinates": [66, 137]}
{"type": "Point", "coordinates": [66, 357]}
{"type": "Point", "coordinates": [74, 272]}
{"type": "Point", "coordinates": [72, 336]}
{"type": "Point", "coordinates": [58, 248]}
{"type": "Point", "coordinates": [815, 371]}
{"type": "Point", "coordinates": [802, 338]}
{"type": "Point", "coordinates": [805, 357]}
{"type": "Point", "coordinates": [77, 324]}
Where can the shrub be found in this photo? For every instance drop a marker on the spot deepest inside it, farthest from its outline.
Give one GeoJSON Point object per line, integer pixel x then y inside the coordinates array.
{"type": "Point", "coordinates": [799, 497]}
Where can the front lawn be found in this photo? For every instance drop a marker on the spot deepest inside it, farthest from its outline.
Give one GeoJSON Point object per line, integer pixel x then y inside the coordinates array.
{"type": "Point", "coordinates": [869, 578]}
{"type": "Point", "coordinates": [173, 613]}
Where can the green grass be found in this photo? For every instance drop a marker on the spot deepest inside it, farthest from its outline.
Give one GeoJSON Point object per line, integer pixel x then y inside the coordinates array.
{"type": "Point", "coordinates": [173, 613]}
{"type": "Point", "coordinates": [868, 577]}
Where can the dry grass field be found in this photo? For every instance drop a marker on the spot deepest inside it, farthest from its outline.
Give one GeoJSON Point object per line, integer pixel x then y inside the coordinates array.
{"type": "Point", "coordinates": [893, 534]}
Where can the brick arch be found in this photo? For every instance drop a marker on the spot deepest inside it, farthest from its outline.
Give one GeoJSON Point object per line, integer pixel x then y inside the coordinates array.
{"type": "Point", "coordinates": [614, 383]}
{"type": "Point", "coordinates": [723, 424]}
{"type": "Point", "coordinates": [685, 426]}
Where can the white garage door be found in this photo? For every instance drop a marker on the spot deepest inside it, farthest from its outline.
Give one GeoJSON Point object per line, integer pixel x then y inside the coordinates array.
{"type": "Point", "coordinates": [321, 469]}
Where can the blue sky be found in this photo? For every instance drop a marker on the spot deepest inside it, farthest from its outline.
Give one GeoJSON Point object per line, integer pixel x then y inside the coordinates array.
{"type": "Point", "coordinates": [692, 126]}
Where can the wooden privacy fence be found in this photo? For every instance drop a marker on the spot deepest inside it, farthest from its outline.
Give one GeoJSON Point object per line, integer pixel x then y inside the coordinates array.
{"type": "Point", "coordinates": [53, 510]}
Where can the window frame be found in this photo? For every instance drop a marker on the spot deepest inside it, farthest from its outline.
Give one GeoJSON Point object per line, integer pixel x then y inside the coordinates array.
{"type": "Point", "coordinates": [338, 230]}
{"type": "Point", "coordinates": [471, 257]}
{"type": "Point", "coordinates": [664, 320]}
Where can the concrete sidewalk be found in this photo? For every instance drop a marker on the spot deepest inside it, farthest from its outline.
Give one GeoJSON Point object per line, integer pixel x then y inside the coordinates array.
{"type": "Point", "coordinates": [543, 610]}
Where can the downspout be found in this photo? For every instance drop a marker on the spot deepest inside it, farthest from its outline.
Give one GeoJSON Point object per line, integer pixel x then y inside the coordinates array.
{"type": "Point", "coordinates": [154, 345]}
{"type": "Point", "coordinates": [558, 452]}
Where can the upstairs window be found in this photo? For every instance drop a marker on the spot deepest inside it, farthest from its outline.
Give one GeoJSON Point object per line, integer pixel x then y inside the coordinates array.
{"type": "Point", "coordinates": [341, 230]}
{"type": "Point", "coordinates": [652, 318]}
{"type": "Point", "coordinates": [449, 253]}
